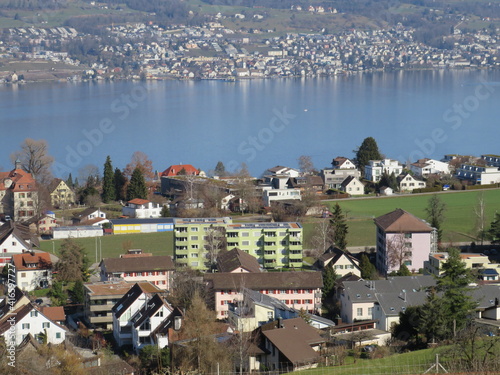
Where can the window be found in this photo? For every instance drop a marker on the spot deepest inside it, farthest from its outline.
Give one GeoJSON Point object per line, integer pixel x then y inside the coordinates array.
{"type": "Point", "coordinates": [34, 314]}
{"type": "Point", "coordinates": [46, 325]}
{"type": "Point", "coordinates": [23, 274]}
{"type": "Point", "coordinates": [370, 311]}
{"type": "Point", "coordinates": [408, 263]}
{"type": "Point", "coordinates": [245, 243]}
{"type": "Point", "coordinates": [194, 238]}
{"type": "Point", "coordinates": [194, 255]}
{"type": "Point", "coordinates": [26, 326]}
{"type": "Point", "coordinates": [194, 229]}
{"type": "Point", "coordinates": [359, 311]}
{"type": "Point", "coordinates": [270, 315]}
{"type": "Point", "coordinates": [245, 234]}
{"type": "Point", "coordinates": [407, 235]}
{"type": "Point", "coordinates": [194, 246]}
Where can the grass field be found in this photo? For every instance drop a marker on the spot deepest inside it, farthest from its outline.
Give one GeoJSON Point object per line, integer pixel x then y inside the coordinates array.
{"type": "Point", "coordinates": [458, 226]}
{"type": "Point", "coordinates": [114, 245]}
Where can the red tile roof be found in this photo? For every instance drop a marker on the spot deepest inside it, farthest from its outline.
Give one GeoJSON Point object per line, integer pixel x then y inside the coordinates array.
{"type": "Point", "coordinates": [138, 201]}
{"type": "Point", "coordinates": [42, 261]}
{"type": "Point", "coordinates": [55, 313]}
{"type": "Point", "coordinates": [173, 170]}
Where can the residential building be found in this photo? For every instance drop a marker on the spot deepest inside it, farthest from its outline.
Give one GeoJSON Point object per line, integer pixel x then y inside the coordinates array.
{"type": "Point", "coordinates": [180, 170]}
{"type": "Point", "coordinates": [352, 186]}
{"type": "Point", "coordinates": [275, 245]}
{"type": "Point", "coordinates": [296, 289]}
{"type": "Point", "coordinates": [473, 261]}
{"type": "Point", "coordinates": [290, 345]}
{"type": "Point", "coordinates": [141, 318]}
{"type": "Point", "coordinates": [358, 299]}
{"type": "Point", "coordinates": [284, 171]}
{"type": "Point", "coordinates": [478, 174]}
{"type": "Point", "coordinates": [341, 261]}
{"type": "Point", "coordinates": [100, 297]}
{"type": "Point", "coordinates": [141, 209]}
{"type": "Point", "coordinates": [61, 195]}
{"type": "Point", "coordinates": [18, 194]}
{"type": "Point", "coordinates": [276, 195]}
{"type": "Point", "coordinates": [26, 318]}
{"type": "Point", "coordinates": [44, 223]}
{"type": "Point", "coordinates": [342, 168]}
{"type": "Point", "coordinates": [236, 260]}
{"type": "Point", "coordinates": [135, 267]}
{"type": "Point", "coordinates": [425, 167]}
{"type": "Point", "coordinates": [491, 160]}
{"type": "Point", "coordinates": [403, 238]}
{"type": "Point", "coordinates": [376, 168]}
{"type": "Point", "coordinates": [408, 183]}
{"type": "Point", "coordinates": [124, 226]}
{"type": "Point", "coordinates": [33, 270]}
{"type": "Point", "coordinates": [307, 183]}
{"type": "Point", "coordinates": [15, 238]}
{"type": "Point", "coordinates": [87, 215]}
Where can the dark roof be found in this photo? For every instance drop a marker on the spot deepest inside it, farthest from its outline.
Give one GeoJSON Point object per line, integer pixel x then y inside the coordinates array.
{"type": "Point", "coordinates": [12, 301]}
{"type": "Point", "coordinates": [140, 264]}
{"type": "Point", "coordinates": [265, 280]}
{"type": "Point", "coordinates": [401, 221]}
{"type": "Point", "coordinates": [19, 314]}
{"type": "Point", "coordinates": [332, 255]}
{"type": "Point", "coordinates": [149, 308]}
{"type": "Point", "coordinates": [160, 220]}
{"type": "Point", "coordinates": [86, 212]}
{"type": "Point", "coordinates": [21, 231]}
{"type": "Point", "coordinates": [127, 300]}
{"type": "Point", "coordinates": [294, 340]}
{"type": "Point", "coordinates": [228, 261]}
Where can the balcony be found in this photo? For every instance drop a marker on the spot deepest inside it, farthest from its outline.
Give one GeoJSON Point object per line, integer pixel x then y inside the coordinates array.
{"type": "Point", "coordinates": [104, 307]}
{"type": "Point", "coordinates": [101, 319]}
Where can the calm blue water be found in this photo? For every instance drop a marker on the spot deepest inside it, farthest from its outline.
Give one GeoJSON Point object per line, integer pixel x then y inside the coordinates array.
{"type": "Point", "coordinates": [262, 122]}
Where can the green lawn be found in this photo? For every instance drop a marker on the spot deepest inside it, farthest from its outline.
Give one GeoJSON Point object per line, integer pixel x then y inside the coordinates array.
{"type": "Point", "coordinates": [458, 226]}
{"type": "Point", "coordinates": [114, 245]}
{"type": "Point", "coordinates": [408, 363]}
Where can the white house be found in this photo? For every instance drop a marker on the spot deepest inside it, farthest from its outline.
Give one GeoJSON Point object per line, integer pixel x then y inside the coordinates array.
{"type": "Point", "coordinates": [19, 317]}
{"type": "Point", "coordinates": [342, 262]}
{"type": "Point", "coordinates": [274, 195]}
{"type": "Point", "coordinates": [88, 214]}
{"type": "Point", "coordinates": [426, 167]}
{"type": "Point", "coordinates": [376, 168]}
{"type": "Point", "coordinates": [280, 170]}
{"type": "Point", "coordinates": [351, 185]}
{"type": "Point", "coordinates": [33, 270]}
{"type": "Point", "coordinates": [408, 183]}
{"type": "Point", "coordinates": [141, 209]}
{"type": "Point", "coordinates": [15, 238]}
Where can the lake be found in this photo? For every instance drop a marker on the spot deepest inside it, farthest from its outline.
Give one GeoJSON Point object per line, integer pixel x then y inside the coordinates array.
{"type": "Point", "coordinates": [262, 123]}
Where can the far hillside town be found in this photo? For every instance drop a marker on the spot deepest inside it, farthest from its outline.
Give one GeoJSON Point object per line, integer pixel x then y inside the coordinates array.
{"type": "Point", "coordinates": [259, 275]}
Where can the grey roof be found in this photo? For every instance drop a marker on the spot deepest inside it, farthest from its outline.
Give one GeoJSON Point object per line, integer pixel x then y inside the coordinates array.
{"type": "Point", "coordinates": [394, 303]}
{"type": "Point", "coordinates": [486, 296]}
{"type": "Point", "coordinates": [265, 300]}
{"type": "Point", "coordinates": [364, 291]}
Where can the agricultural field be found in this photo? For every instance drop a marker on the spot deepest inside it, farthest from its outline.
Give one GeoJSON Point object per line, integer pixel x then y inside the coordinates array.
{"type": "Point", "coordinates": [459, 225]}
{"type": "Point", "coordinates": [114, 245]}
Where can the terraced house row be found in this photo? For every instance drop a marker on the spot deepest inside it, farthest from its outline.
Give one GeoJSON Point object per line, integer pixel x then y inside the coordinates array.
{"type": "Point", "coordinates": [274, 245]}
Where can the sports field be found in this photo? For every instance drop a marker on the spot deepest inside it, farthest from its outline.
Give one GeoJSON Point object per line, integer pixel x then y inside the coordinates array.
{"type": "Point", "coordinates": [459, 225]}
{"type": "Point", "coordinates": [114, 245]}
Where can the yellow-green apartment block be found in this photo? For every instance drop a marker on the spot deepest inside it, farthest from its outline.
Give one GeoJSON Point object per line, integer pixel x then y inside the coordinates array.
{"type": "Point", "coordinates": [275, 245]}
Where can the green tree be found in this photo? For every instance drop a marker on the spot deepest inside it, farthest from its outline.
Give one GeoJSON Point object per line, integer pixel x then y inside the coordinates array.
{"type": "Point", "coordinates": [329, 278]}
{"type": "Point", "coordinates": [137, 186]}
{"type": "Point", "coordinates": [368, 271]}
{"type": "Point", "coordinates": [78, 292]}
{"type": "Point", "coordinates": [108, 186]}
{"type": "Point", "coordinates": [165, 211]}
{"type": "Point", "coordinates": [220, 169]}
{"type": "Point", "coordinates": [433, 319]}
{"type": "Point", "coordinates": [154, 359]}
{"type": "Point", "coordinates": [340, 228]}
{"type": "Point", "coordinates": [366, 152]}
{"type": "Point", "coordinates": [435, 214]}
{"type": "Point", "coordinates": [408, 326]}
{"type": "Point", "coordinates": [494, 231]}
{"type": "Point", "coordinates": [57, 294]}
{"type": "Point", "coordinates": [69, 181]}
{"type": "Point", "coordinates": [389, 180]}
{"type": "Point", "coordinates": [403, 271]}
{"type": "Point", "coordinates": [120, 181]}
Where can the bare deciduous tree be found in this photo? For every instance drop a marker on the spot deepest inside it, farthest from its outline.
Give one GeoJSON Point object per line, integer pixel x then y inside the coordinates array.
{"type": "Point", "coordinates": [321, 237]}
{"type": "Point", "coordinates": [215, 241]}
{"type": "Point", "coordinates": [306, 165]}
{"type": "Point", "coordinates": [398, 250]}
{"type": "Point", "coordinates": [35, 158]}
{"type": "Point", "coordinates": [480, 213]}
{"type": "Point", "coordinates": [140, 160]}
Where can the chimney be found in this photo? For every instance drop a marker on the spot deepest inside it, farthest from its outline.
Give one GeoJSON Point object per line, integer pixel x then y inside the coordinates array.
{"type": "Point", "coordinates": [280, 322]}
{"type": "Point", "coordinates": [338, 320]}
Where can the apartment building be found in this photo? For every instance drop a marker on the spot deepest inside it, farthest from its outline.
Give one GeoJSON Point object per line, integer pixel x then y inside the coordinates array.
{"type": "Point", "coordinates": [274, 245]}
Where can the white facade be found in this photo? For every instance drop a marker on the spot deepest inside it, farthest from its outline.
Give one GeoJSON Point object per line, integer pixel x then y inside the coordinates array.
{"type": "Point", "coordinates": [76, 232]}
{"type": "Point", "coordinates": [13, 245]}
{"type": "Point", "coordinates": [34, 322]}
{"type": "Point", "coordinates": [274, 195]}
{"type": "Point", "coordinates": [122, 330]}
{"type": "Point", "coordinates": [144, 210]}
{"type": "Point", "coordinates": [29, 280]}
{"type": "Point", "coordinates": [426, 167]}
{"type": "Point", "coordinates": [478, 174]}
{"type": "Point", "coordinates": [409, 183]}
{"type": "Point", "coordinates": [376, 168]}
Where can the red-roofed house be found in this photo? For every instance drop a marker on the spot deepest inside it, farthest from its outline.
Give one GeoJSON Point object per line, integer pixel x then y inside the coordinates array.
{"type": "Point", "coordinates": [18, 193]}
{"type": "Point", "coordinates": [174, 170]}
{"type": "Point", "coordinates": [141, 209]}
{"type": "Point", "coordinates": [54, 313]}
{"type": "Point", "coordinates": [33, 270]}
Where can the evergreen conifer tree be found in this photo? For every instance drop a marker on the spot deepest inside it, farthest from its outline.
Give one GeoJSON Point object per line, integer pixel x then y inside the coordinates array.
{"type": "Point", "coordinates": [108, 186]}
{"type": "Point", "coordinates": [137, 186]}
